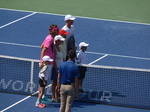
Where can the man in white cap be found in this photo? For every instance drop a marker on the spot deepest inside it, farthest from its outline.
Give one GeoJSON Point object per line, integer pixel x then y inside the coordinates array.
{"type": "Point", "coordinates": [69, 27]}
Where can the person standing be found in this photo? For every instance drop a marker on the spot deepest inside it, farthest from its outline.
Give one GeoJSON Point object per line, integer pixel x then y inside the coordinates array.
{"type": "Point", "coordinates": [63, 47]}
{"type": "Point", "coordinates": [43, 77]}
{"type": "Point", "coordinates": [58, 59]}
{"type": "Point", "coordinates": [69, 27]}
{"type": "Point", "coordinates": [82, 59]}
{"type": "Point", "coordinates": [68, 75]}
{"type": "Point", "coordinates": [48, 49]}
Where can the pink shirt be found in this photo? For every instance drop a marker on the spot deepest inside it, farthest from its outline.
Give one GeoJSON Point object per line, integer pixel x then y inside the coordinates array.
{"type": "Point", "coordinates": [49, 44]}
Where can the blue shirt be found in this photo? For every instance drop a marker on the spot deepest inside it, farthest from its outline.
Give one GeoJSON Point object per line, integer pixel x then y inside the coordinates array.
{"type": "Point", "coordinates": [68, 71]}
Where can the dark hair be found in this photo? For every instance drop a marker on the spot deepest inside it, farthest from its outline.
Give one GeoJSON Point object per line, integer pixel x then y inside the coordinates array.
{"type": "Point", "coordinates": [72, 54]}
{"type": "Point", "coordinates": [50, 29]}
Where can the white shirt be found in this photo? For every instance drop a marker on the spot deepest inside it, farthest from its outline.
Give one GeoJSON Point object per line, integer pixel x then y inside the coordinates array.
{"type": "Point", "coordinates": [59, 58]}
{"type": "Point", "coordinates": [70, 30]}
{"type": "Point", "coordinates": [81, 57]}
{"type": "Point", "coordinates": [69, 43]}
{"type": "Point", "coordinates": [63, 49]}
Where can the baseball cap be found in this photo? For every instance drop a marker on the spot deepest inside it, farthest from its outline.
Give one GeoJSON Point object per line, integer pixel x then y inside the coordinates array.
{"type": "Point", "coordinates": [69, 17]}
{"type": "Point", "coordinates": [59, 37]}
{"type": "Point", "coordinates": [63, 32]}
{"type": "Point", "coordinates": [47, 58]}
{"type": "Point", "coordinates": [83, 44]}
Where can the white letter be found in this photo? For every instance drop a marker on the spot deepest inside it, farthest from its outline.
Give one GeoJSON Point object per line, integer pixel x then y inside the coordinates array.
{"type": "Point", "coordinates": [17, 89]}
{"type": "Point", "coordinates": [106, 96]}
{"type": "Point", "coordinates": [4, 85]}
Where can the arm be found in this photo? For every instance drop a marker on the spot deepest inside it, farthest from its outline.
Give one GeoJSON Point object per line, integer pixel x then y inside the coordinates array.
{"type": "Point", "coordinates": [41, 45]}
{"type": "Point", "coordinates": [78, 58]}
{"type": "Point", "coordinates": [42, 54]}
{"type": "Point", "coordinates": [58, 82]}
{"type": "Point", "coordinates": [55, 65]}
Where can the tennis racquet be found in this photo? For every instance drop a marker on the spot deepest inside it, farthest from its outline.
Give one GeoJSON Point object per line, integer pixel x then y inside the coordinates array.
{"type": "Point", "coordinates": [43, 69]}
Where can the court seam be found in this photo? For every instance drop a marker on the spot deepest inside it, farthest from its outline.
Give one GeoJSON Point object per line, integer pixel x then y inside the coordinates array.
{"type": "Point", "coordinates": [17, 20]}
{"type": "Point", "coordinates": [79, 17]}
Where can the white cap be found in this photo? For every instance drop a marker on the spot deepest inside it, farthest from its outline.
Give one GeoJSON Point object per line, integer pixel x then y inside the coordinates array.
{"type": "Point", "coordinates": [47, 58]}
{"type": "Point", "coordinates": [83, 44]}
{"type": "Point", "coordinates": [69, 17]}
{"type": "Point", "coordinates": [59, 37]}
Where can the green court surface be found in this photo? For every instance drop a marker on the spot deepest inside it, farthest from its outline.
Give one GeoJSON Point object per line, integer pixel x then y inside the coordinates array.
{"type": "Point", "coordinates": [121, 10]}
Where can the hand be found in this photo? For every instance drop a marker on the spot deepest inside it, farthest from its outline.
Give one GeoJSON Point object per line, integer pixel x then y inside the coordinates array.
{"type": "Point", "coordinates": [58, 88]}
{"type": "Point", "coordinates": [40, 64]}
{"type": "Point", "coordinates": [44, 83]}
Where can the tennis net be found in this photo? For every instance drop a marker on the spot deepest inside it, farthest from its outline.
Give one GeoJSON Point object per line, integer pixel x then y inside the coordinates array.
{"type": "Point", "coordinates": [102, 84]}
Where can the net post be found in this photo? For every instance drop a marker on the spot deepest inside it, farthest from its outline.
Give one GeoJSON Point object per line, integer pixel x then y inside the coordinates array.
{"type": "Point", "coordinates": [31, 76]}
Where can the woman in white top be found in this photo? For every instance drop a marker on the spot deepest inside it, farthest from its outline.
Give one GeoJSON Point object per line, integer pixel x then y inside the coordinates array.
{"type": "Point", "coordinates": [58, 59]}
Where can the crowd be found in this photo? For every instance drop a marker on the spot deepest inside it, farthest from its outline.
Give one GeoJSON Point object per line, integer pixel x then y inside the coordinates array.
{"type": "Point", "coordinates": [58, 61]}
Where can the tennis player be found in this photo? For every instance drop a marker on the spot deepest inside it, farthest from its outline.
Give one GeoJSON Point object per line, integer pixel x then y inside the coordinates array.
{"type": "Point", "coordinates": [43, 77]}
{"type": "Point", "coordinates": [48, 49]}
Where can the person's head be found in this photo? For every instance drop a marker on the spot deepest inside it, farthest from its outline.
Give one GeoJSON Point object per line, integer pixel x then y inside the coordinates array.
{"type": "Point", "coordinates": [83, 46]}
{"type": "Point", "coordinates": [46, 60]}
{"type": "Point", "coordinates": [54, 30]}
{"type": "Point", "coordinates": [72, 54]}
{"type": "Point", "coordinates": [58, 39]}
{"type": "Point", "coordinates": [63, 33]}
{"type": "Point", "coordinates": [69, 19]}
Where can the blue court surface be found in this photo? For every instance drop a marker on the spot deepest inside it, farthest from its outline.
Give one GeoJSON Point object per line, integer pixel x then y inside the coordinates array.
{"type": "Point", "coordinates": [112, 43]}
{"type": "Point", "coordinates": [21, 103]}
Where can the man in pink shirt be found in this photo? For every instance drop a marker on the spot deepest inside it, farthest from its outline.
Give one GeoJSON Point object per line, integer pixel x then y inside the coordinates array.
{"type": "Point", "coordinates": [48, 49]}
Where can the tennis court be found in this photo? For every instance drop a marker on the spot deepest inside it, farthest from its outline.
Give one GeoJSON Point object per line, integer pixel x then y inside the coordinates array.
{"type": "Point", "coordinates": [116, 43]}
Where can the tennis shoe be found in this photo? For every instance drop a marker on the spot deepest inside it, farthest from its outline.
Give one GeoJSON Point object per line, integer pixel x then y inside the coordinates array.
{"type": "Point", "coordinates": [40, 105]}
{"type": "Point", "coordinates": [46, 100]}
{"type": "Point", "coordinates": [36, 103]}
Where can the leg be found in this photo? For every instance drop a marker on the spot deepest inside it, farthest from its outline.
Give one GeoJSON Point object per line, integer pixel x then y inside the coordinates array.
{"type": "Point", "coordinates": [70, 98]}
{"type": "Point", "coordinates": [54, 83]}
{"type": "Point", "coordinates": [41, 92]}
{"type": "Point", "coordinates": [63, 96]}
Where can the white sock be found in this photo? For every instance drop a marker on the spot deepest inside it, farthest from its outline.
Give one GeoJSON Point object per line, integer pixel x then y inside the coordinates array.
{"type": "Point", "coordinates": [43, 96]}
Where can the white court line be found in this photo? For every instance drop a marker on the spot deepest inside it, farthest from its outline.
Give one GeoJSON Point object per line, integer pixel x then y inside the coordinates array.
{"type": "Point", "coordinates": [98, 59]}
{"type": "Point", "coordinates": [117, 55]}
{"type": "Point", "coordinates": [25, 45]}
{"type": "Point", "coordinates": [124, 56]}
{"type": "Point", "coordinates": [80, 17]}
{"type": "Point", "coordinates": [17, 20]}
{"type": "Point", "coordinates": [21, 100]}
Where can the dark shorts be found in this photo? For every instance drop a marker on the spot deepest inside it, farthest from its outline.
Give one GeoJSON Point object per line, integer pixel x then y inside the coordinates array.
{"type": "Point", "coordinates": [54, 75]}
{"type": "Point", "coordinates": [82, 71]}
{"type": "Point", "coordinates": [41, 83]}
